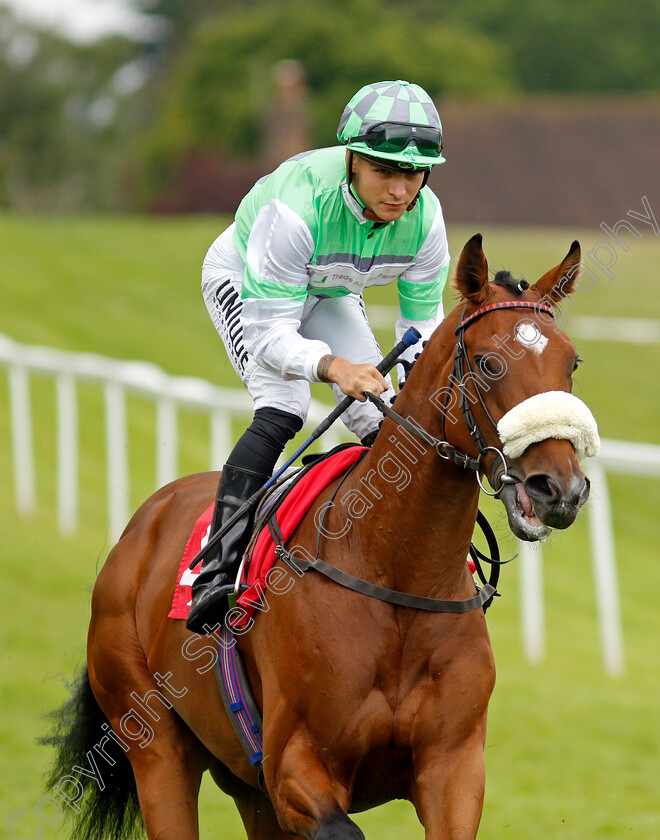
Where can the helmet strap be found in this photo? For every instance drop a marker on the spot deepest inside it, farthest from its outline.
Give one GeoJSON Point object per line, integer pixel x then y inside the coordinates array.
{"type": "Point", "coordinates": [349, 167]}
{"type": "Point", "coordinates": [349, 179]}
{"type": "Point", "coordinates": [416, 198]}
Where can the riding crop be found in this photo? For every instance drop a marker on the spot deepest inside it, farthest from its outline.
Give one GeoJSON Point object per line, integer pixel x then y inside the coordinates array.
{"type": "Point", "coordinates": [410, 337]}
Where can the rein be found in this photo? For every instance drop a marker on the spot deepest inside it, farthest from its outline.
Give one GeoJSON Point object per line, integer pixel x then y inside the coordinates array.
{"type": "Point", "coordinates": [301, 561]}
{"type": "Point", "coordinates": [444, 449]}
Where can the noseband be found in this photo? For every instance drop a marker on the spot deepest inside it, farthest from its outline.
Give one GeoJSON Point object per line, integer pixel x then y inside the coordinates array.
{"type": "Point", "coordinates": [457, 378]}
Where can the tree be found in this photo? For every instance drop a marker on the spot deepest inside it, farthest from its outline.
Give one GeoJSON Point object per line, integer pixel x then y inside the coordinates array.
{"type": "Point", "coordinates": [183, 15]}
{"type": "Point", "coordinates": [61, 118]}
{"type": "Point", "coordinates": [561, 45]}
{"type": "Point", "coordinates": [221, 85]}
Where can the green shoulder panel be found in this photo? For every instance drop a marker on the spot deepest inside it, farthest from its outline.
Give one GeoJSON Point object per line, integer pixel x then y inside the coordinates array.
{"type": "Point", "coordinates": [349, 253]}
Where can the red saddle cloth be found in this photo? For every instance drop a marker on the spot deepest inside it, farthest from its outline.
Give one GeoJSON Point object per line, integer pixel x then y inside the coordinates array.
{"type": "Point", "coordinates": [291, 511]}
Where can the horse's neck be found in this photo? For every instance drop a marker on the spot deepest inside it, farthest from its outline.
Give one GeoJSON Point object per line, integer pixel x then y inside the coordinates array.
{"type": "Point", "coordinates": [424, 508]}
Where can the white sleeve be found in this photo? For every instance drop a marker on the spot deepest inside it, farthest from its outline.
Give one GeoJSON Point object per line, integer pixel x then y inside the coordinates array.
{"type": "Point", "coordinates": [270, 334]}
{"type": "Point", "coordinates": [274, 292]}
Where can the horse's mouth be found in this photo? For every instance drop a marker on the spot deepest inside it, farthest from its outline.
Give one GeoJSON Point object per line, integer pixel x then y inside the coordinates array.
{"type": "Point", "coordinates": [523, 520]}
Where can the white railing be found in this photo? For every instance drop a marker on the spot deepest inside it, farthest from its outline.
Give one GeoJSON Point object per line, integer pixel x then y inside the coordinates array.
{"type": "Point", "coordinates": [118, 379]}
{"type": "Point", "coordinates": [614, 457]}
{"type": "Point", "coordinates": [170, 394]}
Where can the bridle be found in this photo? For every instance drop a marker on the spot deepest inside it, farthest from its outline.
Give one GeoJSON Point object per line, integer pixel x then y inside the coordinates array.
{"type": "Point", "coordinates": [457, 379]}
{"type": "Point", "coordinates": [303, 562]}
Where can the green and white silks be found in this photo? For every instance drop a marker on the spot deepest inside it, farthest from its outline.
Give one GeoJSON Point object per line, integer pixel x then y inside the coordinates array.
{"type": "Point", "coordinates": [299, 236]}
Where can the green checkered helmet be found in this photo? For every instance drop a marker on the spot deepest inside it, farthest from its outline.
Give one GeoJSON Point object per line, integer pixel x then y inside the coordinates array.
{"type": "Point", "coordinates": [393, 121]}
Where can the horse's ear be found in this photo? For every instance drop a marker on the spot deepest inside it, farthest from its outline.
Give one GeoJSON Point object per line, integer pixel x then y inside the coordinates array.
{"type": "Point", "coordinates": [471, 278]}
{"type": "Point", "coordinates": [560, 281]}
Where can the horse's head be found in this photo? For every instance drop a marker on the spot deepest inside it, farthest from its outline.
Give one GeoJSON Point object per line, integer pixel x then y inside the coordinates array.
{"type": "Point", "coordinates": [509, 398]}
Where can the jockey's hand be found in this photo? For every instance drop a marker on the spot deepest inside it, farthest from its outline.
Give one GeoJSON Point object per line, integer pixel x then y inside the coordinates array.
{"type": "Point", "coordinates": [353, 379]}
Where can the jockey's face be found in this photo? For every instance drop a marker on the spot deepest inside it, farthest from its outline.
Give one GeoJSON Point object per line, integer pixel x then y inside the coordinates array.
{"type": "Point", "coordinates": [385, 192]}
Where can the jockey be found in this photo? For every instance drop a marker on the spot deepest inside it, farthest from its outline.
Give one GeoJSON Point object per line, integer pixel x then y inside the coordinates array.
{"type": "Point", "coordinates": [284, 283]}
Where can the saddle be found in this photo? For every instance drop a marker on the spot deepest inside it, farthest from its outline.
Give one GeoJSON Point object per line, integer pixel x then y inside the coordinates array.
{"type": "Point", "coordinates": [292, 495]}
{"type": "Point", "coordinates": [278, 515]}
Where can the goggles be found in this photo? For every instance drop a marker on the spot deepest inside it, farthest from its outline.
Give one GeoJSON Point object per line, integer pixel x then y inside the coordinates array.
{"type": "Point", "coordinates": [395, 137]}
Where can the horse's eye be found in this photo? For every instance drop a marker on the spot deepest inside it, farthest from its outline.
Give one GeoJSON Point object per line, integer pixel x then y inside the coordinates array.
{"type": "Point", "coordinates": [487, 367]}
{"type": "Point", "coordinates": [577, 362]}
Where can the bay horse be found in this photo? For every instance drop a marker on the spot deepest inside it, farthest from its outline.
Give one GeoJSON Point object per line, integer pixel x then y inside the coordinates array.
{"type": "Point", "coordinates": [362, 701]}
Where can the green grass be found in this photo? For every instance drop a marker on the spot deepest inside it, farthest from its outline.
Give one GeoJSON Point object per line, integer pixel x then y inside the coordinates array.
{"type": "Point", "coordinates": [571, 752]}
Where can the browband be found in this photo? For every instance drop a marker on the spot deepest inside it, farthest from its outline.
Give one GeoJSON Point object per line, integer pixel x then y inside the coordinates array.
{"type": "Point", "coordinates": [537, 306]}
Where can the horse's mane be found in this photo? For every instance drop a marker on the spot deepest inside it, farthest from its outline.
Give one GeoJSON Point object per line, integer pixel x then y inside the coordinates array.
{"type": "Point", "coordinates": [508, 281]}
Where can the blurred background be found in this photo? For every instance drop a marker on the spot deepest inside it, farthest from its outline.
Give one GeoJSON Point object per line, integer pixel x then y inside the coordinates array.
{"type": "Point", "coordinates": [178, 105]}
{"type": "Point", "coordinates": [129, 132]}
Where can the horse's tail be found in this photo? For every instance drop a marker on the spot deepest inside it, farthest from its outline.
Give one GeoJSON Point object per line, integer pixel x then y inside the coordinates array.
{"type": "Point", "coordinates": [103, 800]}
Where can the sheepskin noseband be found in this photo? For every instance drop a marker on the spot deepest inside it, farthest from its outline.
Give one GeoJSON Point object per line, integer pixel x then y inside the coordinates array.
{"type": "Point", "coordinates": [554, 414]}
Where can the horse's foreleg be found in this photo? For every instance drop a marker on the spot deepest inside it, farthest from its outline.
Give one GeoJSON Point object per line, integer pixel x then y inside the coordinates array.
{"type": "Point", "coordinates": [258, 815]}
{"type": "Point", "coordinates": [449, 790]}
{"type": "Point", "coordinates": [448, 736]}
{"type": "Point", "coordinates": [309, 802]}
{"type": "Point", "coordinates": [168, 780]}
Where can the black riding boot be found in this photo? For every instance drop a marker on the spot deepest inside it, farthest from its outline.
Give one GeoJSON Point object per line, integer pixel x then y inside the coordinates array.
{"type": "Point", "coordinates": [216, 579]}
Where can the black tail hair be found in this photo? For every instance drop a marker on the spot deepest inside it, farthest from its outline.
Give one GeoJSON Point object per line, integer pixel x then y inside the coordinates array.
{"type": "Point", "coordinates": [109, 814]}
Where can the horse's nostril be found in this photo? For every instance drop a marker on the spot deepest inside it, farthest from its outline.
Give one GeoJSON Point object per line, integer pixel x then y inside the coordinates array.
{"type": "Point", "coordinates": [542, 487]}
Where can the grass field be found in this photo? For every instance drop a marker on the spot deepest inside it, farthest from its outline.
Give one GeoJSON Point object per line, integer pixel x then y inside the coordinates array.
{"type": "Point", "coordinates": [571, 754]}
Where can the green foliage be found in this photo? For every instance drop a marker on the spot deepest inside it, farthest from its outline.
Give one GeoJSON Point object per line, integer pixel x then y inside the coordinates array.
{"type": "Point", "coordinates": [72, 138]}
{"type": "Point", "coordinates": [182, 15]}
{"type": "Point", "coordinates": [561, 45]}
{"type": "Point", "coordinates": [62, 123]}
{"type": "Point", "coordinates": [222, 85]}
